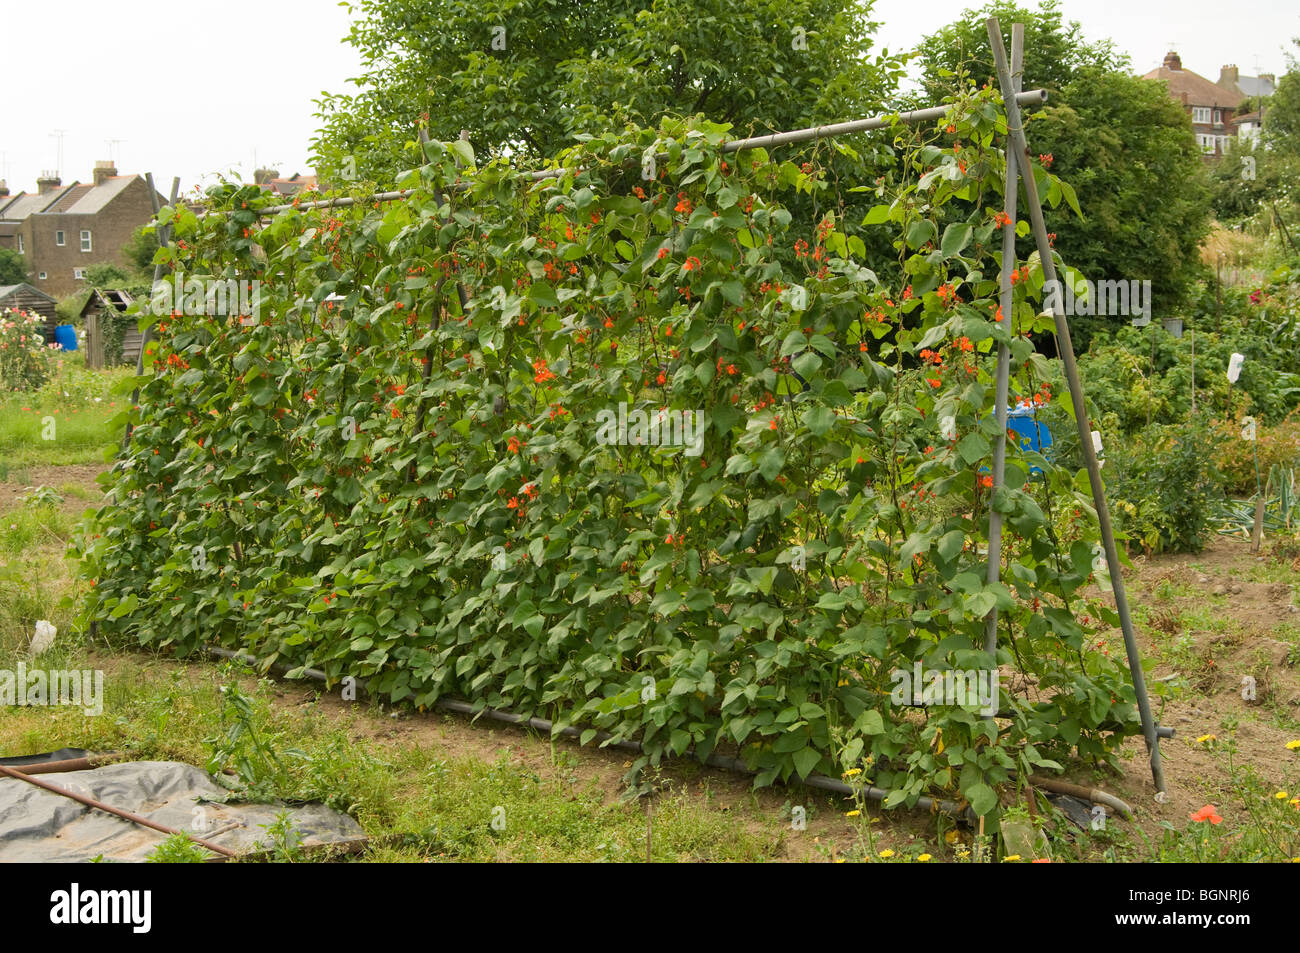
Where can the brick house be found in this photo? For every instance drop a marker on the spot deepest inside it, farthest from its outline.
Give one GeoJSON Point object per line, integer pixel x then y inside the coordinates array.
{"type": "Point", "coordinates": [271, 179]}
{"type": "Point", "coordinates": [62, 230]}
{"type": "Point", "coordinates": [1230, 78]}
{"type": "Point", "coordinates": [1211, 106]}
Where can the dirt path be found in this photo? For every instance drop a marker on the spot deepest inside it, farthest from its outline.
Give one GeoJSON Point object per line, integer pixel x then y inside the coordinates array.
{"type": "Point", "coordinates": [81, 475]}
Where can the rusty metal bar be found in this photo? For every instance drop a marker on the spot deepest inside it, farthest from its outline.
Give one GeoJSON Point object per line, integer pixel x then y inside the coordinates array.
{"type": "Point", "coordinates": [109, 809]}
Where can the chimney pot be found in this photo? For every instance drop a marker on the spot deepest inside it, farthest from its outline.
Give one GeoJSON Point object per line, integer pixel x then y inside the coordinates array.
{"type": "Point", "coordinates": [1173, 61]}
{"type": "Point", "coordinates": [47, 182]}
{"type": "Point", "coordinates": [104, 170]}
{"type": "Point", "coordinates": [4, 187]}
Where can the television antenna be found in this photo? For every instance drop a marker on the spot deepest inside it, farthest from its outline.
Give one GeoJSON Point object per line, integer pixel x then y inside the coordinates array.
{"type": "Point", "coordinates": [58, 134]}
{"type": "Point", "coordinates": [113, 150]}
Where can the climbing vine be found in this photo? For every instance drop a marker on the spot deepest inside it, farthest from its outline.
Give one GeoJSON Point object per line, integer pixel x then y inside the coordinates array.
{"type": "Point", "coordinates": [370, 476]}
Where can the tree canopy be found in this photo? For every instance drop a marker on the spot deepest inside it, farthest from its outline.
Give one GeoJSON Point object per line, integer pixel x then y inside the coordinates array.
{"type": "Point", "coordinates": [13, 267]}
{"type": "Point", "coordinates": [523, 77]}
{"type": "Point", "coordinates": [1121, 141]}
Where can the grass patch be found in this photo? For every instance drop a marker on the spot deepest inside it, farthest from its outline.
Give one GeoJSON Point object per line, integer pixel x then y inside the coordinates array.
{"type": "Point", "coordinates": [67, 421]}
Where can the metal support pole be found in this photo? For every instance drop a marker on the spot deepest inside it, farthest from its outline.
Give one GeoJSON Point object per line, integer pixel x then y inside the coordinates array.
{"type": "Point", "coordinates": [1033, 97]}
{"type": "Point", "coordinates": [164, 236]}
{"type": "Point", "coordinates": [1016, 131]}
{"type": "Point", "coordinates": [1004, 355]}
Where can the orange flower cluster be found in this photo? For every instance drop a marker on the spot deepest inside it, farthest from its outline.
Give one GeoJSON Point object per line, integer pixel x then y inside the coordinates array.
{"type": "Point", "coordinates": [542, 373]}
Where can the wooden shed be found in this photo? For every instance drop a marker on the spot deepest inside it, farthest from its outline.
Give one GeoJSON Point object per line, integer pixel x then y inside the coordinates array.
{"type": "Point", "coordinates": [102, 304]}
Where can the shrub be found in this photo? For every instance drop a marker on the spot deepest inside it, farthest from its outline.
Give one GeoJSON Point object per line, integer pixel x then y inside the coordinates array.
{"type": "Point", "coordinates": [1235, 457]}
{"type": "Point", "coordinates": [1140, 376]}
{"type": "Point", "coordinates": [1163, 481]}
{"type": "Point", "coordinates": [24, 355]}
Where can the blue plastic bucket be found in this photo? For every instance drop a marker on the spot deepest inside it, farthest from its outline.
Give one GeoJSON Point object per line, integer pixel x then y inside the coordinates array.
{"type": "Point", "coordinates": [65, 336]}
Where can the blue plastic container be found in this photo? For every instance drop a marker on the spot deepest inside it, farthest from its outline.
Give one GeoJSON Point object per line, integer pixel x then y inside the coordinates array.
{"type": "Point", "coordinates": [1033, 436]}
{"type": "Point", "coordinates": [65, 336]}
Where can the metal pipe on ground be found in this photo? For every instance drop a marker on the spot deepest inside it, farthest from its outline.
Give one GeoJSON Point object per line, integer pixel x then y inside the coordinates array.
{"type": "Point", "coordinates": [62, 767]}
{"type": "Point", "coordinates": [715, 761]}
{"type": "Point", "coordinates": [1096, 795]}
{"type": "Point", "coordinates": [1016, 132]}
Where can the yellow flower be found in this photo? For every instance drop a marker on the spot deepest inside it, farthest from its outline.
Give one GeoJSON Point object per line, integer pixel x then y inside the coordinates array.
{"type": "Point", "coordinates": [839, 860]}
{"type": "Point", "coordinates": [1011, 857]}
{"type": "Point", "coordinates": [951, 837]}
{"type": "Point", "coordinates": [1205, 739]}
{"type": "Point", "coordinates": [923, 858]}
{"type": "Point", "coordinates": [1281, 795]}
{"type": "Point", "coordinates": [1293, 745]}
{"type": "Point", "coordinates": [1295, 802]}
{"type": "Point", "coordinates": [852, 771]}
{"type": "Point", "coordinates": [886, 853]}
{"type": "Point", "coordinates": [853, 813]}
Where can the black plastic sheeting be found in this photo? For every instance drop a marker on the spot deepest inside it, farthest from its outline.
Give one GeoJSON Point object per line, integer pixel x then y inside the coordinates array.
{"type": "Point", "coordinates": [63, 754]}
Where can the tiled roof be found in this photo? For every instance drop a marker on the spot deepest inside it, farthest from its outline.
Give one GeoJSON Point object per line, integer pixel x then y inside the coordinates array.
{"type": "Point", "coordinates": [70, 195]}
{"type": "Point", "coordinates": [7, 290]}
{"type": "Point", "coordinates": [1255, 85]}
{"type": "Point", "coordinates": [101, 195]}
{"type": "Point", "coordinates": [29, 203]}
{"type": "Point", "coordinates": [75, 199]}
{"type": "Point", "coordinates": [1194, 89]}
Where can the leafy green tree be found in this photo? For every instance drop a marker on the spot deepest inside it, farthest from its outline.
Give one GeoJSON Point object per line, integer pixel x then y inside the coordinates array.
{"type": "Point", "coordinates": [1122, 142]}
{"type": "Point", "coordinates": [105, 274]}
{"type": "Point", "coordinates": [13, 267]}
{"type": "Point", "coordinates": [1251, 178]}
{"type": "Point", "coordinates": [139, 250]}
{"type": "Point", "coordinates": [523, 77]}
{"type": "Point", "coordinates": [1281, 120]}
{"type": "Point", "coordinates": [1054, 50]}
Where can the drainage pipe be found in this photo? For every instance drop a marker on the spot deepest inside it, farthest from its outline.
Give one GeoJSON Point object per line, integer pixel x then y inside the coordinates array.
{"type": "Point", "coordinates": [819, 781]}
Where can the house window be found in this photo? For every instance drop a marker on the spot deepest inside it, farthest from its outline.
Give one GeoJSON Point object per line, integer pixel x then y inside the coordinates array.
{"type": "Point", "coordinates": [79, 273]}
{"type": "Point", "coordinates": [85, 239]}
{"type": "Point", "coordinates": [41, 276]}
{"type": "Point", "coordinates": [1201, 114]}
{"type": "Point", "coordinates": [20, 244]}
{"type": "Point", "coordinates": [1218, 117]}
{"type": "Point", "coordinates": [1206, 142]}
{"type": "Point", "coordinates": [58, 238]}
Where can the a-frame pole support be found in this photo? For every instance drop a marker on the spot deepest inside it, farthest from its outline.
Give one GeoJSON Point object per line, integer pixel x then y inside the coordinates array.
{"type": "Point", "coordinates": [1016, 134]}
{"type": "Point", "coordinates": [1010, 194]}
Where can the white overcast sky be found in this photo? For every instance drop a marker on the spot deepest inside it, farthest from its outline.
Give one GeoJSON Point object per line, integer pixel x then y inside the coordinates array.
{"type": "Point", "coordinates": [195, 87]}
